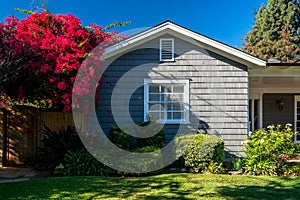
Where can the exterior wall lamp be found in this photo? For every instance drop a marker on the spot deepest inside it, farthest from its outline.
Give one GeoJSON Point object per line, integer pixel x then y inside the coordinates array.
{"type": "Point", "coordinates": [281, 102]}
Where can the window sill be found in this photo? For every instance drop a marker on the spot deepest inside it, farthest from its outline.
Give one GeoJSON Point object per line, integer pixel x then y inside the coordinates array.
{"type": "Point", "coordinates": [167, 61]}
{"type": "Point", "coordinates": [173, 122]}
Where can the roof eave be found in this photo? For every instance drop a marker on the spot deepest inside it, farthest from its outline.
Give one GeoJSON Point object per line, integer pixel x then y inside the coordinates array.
{"type": "Point", "coordinates": [220, 47]}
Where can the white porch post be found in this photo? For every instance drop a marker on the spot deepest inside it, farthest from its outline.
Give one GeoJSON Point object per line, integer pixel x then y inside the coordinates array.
{"type": "Point", "coordinates": [260, 110]}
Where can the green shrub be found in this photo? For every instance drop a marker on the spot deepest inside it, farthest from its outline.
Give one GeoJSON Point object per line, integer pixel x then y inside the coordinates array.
{"type": "Point", "coordinates": [267, 150]}
{"type": "Point", "coordinates": [55, 145]}
{"type": "Point", "coordinates": [157, 140]}
{"type": "Point", "coordinates": [127, 142]}
{"type": "Point", "coordinates": [237, 164]}
{"type": "Point", "coordinates": [120, 138]}
{"type": "Point", "coordinates": [291, 169]}
{"type": "Point", "coordinates": [200, 152]}
{"type": "Point", "coordinates": [154, 158]}
{"type": "Point", "coordinates": [147, 149]}
{"type": "Point", "coordinates": [215, 168]}
{"type": "Point", "coordinates": [82, 163]}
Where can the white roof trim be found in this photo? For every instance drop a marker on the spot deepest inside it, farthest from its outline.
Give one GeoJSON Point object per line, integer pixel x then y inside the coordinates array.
{"type": "Point", "coordinates": [138, 39]}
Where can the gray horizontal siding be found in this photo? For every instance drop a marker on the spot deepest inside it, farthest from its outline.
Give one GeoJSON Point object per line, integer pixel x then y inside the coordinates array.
{"type": "Point", "coordinates": [218, 90]}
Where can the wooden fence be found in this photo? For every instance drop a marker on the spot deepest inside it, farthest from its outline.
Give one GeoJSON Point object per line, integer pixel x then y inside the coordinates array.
{"type": "Point", "coordinates": [21, 131]}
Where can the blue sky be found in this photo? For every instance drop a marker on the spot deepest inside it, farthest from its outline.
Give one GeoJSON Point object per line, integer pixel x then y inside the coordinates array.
{"type": "Point", "coordinates": [226, 21]}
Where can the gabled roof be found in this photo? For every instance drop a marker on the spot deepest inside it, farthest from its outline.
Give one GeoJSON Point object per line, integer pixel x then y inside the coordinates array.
{"type": "Point", "coordinates": [184, 33]}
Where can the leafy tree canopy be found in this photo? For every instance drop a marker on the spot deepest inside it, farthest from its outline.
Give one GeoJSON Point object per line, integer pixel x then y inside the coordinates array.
{"type": "Point", "coordinates": [276, 32]}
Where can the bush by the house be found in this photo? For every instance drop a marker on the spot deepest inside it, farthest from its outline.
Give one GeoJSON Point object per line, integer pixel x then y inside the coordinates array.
{"type": "Point", "coordinates": [268, 149]}
{"type": "Point", "coordinates": [158, 140]}
{"type": "Point", "coordinates": [200, 152]}
{"type": "Point", "coordinates": [82, 163]}
{"type": "Point", "coordinates": [291, 169]}
{"type": "Point", "coordinates": [145, 163]}
{"type": "Point", "coordinates": [236, 164]}
{"type": "Point", "coordinates": [122, 139]}
{"type": "Point", "coordinates": [64, 152]}
{"type": "Point", "coordinates": [127, 142]}
{"type": "Point", "coordinates": [55, 145]}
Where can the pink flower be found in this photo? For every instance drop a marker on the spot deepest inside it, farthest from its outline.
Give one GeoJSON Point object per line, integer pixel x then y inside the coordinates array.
{"type": "Point", "coordinates": [2, 104]}
{"type": "Point", "coordinates": [45, 68]}
{"type": "Point", "coordinates": [62, 85]}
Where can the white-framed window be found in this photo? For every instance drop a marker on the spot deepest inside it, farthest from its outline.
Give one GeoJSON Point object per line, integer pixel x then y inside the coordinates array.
{"type": "Point", "coordinates": [166, 49]}
{"type": "Point", "coordinates": [167, 100]}
{"type": "Point", "coordinates": [297, 118]}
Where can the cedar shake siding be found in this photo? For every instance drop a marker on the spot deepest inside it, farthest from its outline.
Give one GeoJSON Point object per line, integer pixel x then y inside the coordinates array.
{"type": "Point", "coordinates": [218, 89]}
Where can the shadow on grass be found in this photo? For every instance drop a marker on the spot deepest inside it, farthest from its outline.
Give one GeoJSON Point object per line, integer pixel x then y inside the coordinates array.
{"type": "Point", "coordinates": [174, 186]}
{"type": "Point", "coordinates": [275, 188]}
{"type": "Point", "coordinates": [97, 188]}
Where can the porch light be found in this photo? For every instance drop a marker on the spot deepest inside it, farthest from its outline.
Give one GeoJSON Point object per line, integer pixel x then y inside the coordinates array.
{"type": "Point", "coordinates": [281, 102]}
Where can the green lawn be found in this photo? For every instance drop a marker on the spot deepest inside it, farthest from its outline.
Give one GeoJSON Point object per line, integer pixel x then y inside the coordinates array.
{"type": "Point", "coordinates": [169, 186]}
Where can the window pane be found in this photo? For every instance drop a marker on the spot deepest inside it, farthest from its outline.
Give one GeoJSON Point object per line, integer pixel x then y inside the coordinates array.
{"type": "Point", "coordinates": [154, 88]}
{"type": "Point", "coordinates": [177, 106]}
{"type": "Point", "coordinates": [168, 98]}
{"type": "Point", "coordinates": [155, 106]}
{"type": "Point", "coordinates": [177, 115]}
{"type": "Point", "coordinates": [169, 89]}
{"type": "Point", "coordinates": [178, 97]}
{"type": "Point", "coordinates": [298, 103]}
{"type": "Point", "coordinates": [163, 97]}
{"type": "Point", "coordinates": [298, 137]}
{"type": "Point", "coordinates": [153, 97]}
{"type": "Point", "coordinates": [162, 115]}
{"type": "Point", "coordinates": [170, 106]}
{"type": "Point", "coordinates": [169, 115]}
{"type": "Point", "coordinates": [178, 89]}
{"type": "Point", "coordinates": [155, 115]}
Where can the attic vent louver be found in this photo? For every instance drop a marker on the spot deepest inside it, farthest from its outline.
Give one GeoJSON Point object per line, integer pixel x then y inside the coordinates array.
{"type": "Point", "coordinates": [166, 49]}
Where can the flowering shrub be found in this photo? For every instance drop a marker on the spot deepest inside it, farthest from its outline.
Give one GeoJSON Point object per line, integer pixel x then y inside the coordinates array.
{"type": "Point", "coordinates": [41, 55]}
{"type": "Point", "coordinates": [268, 149]}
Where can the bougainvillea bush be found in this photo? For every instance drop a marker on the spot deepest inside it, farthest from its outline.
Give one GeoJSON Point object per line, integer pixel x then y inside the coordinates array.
{"type": "Point", "coordinates": [41, 55]}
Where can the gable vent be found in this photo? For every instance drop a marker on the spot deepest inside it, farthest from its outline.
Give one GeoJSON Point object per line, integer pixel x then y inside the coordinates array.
{"type": "Point", "coordinates": [166, 49]}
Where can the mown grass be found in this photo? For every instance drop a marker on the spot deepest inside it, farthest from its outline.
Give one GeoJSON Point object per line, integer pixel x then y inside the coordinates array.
{"type": "Point", "coordinates": [168, 186]}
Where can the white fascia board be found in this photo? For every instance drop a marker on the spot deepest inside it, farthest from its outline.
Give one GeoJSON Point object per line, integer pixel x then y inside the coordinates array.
{"type": "Point", "coordinates": [136, 40]}
{"type": "Point", "coordinates": [153, 32]}
{"type": "Point", "coordinates": [218, 45]}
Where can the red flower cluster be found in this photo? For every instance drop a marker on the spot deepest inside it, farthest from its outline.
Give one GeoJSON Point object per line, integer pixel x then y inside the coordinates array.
{"type": "Point", "coordinates": [52, 49]}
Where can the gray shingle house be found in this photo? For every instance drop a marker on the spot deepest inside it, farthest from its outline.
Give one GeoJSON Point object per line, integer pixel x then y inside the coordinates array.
{"type": "Point", "coordinates": [193, 83]}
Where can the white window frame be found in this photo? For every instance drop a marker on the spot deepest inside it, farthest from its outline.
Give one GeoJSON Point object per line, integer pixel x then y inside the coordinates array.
{"type": "Point", "coordinates": [296, 99]}
{"type": "Point", "coordinates": [186, 95]}
{"type": "Point", "coordinates": [161, 49]}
